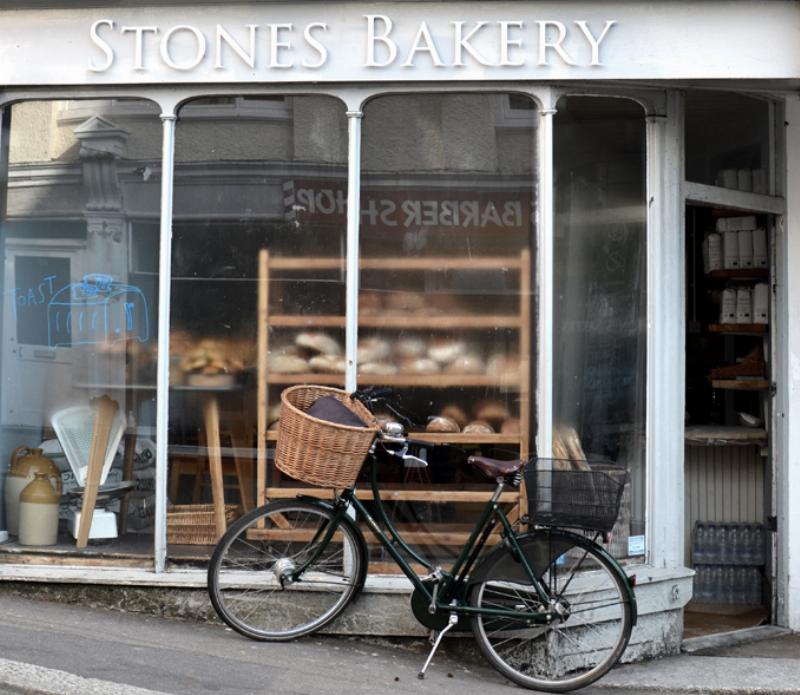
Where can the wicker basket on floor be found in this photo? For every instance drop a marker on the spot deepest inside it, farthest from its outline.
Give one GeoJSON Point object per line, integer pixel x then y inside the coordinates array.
{"type": "Point", "coordinates": [194, 524]}
{"type": "Point", "coordinates": [320, 452]}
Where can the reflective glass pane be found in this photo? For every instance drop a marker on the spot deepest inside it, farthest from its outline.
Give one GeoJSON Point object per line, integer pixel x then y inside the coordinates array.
{"type": "Point", "coordinates": [80, 289]}
{"type": "Point", "coordinates": [445, 305]}
{"type": "Point", "coordinates": [258, 264]}
{"type": "Point", "coordinates": [600, 294]}
{"type": "Point", "coordinates": [728, 140]}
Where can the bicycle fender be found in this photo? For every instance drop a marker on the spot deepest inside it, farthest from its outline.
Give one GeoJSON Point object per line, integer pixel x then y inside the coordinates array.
{"type": "Point", "coordinates": [542, 548]}
{"type": "Point", "coordinates": [360, 540]}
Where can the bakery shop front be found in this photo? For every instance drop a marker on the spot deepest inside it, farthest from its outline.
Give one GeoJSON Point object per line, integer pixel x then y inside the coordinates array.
{"type": "Point", "coordinates": [526, 219]}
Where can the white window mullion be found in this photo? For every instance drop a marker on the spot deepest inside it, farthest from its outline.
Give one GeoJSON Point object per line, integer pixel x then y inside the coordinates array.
{"type": "Point", "coordinates": [162, 373]}
{"type": "Point", "coordinates": [353, 253]}
{"type": "Point", "coordinates": [544, 278]}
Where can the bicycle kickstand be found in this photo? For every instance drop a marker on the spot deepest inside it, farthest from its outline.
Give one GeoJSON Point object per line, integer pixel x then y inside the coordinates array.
{"type": "Point", "coordinates": [451, 623]}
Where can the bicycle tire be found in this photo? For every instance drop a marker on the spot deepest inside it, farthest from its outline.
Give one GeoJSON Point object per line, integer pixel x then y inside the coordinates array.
{"type": "Point", "coordinates": [249, 575]}
{"type": "Point", "coordinates": [574, 651]}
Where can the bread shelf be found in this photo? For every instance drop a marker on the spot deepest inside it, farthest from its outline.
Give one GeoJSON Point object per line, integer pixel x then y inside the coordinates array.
{"type": "Point", "coordinates": [739, 328]}
{"type": "Point", "coordinates": [411, 380]}
{"type": "Point", "coordinates": [401, 321]}
{"type": "Point", "coordinates": [494, 263]}
{"type": "Point", "coordinates": [518, 325]}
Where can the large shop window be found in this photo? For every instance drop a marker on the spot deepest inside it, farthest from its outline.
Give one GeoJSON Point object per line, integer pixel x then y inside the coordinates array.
{"type": "Point", "coordinates": [259, 245]}
{"type": "Point", "coordinates": [600, 294]}
{"type": "Point", "coordinates": [445, 305]}
{"type": "Point", "coordinates": [79, 316]}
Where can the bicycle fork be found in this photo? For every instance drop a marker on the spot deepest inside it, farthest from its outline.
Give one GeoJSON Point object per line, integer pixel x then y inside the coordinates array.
{"type": "Point", "coordinates": [451, 623]}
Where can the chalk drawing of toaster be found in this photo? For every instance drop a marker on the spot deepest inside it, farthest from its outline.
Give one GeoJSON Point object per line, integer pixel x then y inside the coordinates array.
{"type": "Point", "coordinates": [97, 311]}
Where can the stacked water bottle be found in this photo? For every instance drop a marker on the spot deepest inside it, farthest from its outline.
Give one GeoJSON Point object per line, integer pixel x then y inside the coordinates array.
{"type": "Point", "coordinates": [728, 560]}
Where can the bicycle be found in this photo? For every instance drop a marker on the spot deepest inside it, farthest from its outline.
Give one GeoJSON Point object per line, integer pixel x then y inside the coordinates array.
{"type": "Point", "coordinates": [549, 608]}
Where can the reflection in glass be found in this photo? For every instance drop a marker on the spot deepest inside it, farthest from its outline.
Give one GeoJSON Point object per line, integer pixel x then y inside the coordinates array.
{"type": "Point", "coordinates": [80, 237]}
{"type": "Point", "coordinates": [258, 261]}
{"type": "Point", "coordinates": [600, 291]}
{"type": "Point", "coordinates": [445, 305]}
{"type": "Point", "coordinates": [728, 140]}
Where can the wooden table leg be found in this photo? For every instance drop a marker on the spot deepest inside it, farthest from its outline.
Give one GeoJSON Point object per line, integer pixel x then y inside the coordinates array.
{"type": "Point", "coordinates": [211, 417]}
{"type": "Point", "coordinates": [106, 410]}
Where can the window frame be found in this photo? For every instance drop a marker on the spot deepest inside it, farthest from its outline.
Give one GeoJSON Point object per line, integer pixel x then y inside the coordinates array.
{"type": "Point", "coordinates": [663, 167]}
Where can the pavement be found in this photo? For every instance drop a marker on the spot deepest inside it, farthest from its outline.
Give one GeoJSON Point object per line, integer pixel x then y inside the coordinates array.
{"type": "Point", "coordinates": [55, 649]}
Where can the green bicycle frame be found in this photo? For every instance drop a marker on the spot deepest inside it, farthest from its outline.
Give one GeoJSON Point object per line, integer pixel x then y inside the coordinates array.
{"type": "Point", "coordinates": [453, 581]}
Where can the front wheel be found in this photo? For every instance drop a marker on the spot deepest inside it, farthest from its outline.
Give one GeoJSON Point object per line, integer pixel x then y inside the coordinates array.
{"type": "Point", "coordinates": [593, 616]}
{"type": "Point", "coordinates": [273, 577]}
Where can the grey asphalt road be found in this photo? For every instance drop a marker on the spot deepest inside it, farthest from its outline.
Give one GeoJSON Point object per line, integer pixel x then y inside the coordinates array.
{"type": "Point", "coordinates": [185, 657]}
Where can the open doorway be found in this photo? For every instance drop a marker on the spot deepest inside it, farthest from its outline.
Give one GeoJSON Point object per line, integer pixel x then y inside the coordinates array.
{"type": "Point", "coordinates": [728, 418]}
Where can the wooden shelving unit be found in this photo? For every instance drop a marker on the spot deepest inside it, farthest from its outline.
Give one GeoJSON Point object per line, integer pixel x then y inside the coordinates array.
{"type": "Point", "coordinates": [516, 382]}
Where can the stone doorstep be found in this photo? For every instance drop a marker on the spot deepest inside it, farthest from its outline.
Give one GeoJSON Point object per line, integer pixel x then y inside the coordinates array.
{"type": "Point", "coordinates": [381, 610]}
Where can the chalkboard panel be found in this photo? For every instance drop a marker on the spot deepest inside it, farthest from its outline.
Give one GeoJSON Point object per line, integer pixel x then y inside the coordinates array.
{"type": "Point", "coordinates": [37, 279]}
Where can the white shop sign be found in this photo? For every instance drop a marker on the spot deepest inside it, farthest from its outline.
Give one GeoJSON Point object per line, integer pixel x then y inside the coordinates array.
{"type": "Point", "coordinates": [355, 42]}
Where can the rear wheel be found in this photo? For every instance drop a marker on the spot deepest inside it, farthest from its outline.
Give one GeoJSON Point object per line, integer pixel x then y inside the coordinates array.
{"type": "Point", "coordinates": [253, 579]}
{"type": "Point", "coordinates": [578, 647]}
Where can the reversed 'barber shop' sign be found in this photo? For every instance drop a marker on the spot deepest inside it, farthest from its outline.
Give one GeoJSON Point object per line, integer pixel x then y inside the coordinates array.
{"type": "Point", "coordinates": [401, 209]}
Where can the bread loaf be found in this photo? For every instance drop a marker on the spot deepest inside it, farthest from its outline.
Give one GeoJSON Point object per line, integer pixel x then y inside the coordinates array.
{"type": "Point", "coordinates": [510, 426]}
{"type": "Point", "coordinates": [410, 347]}
{"type": "Point", "coordinates": [442, 424]}
{"type": "Point", "coordinates": [445, 351]}
{"type": "Point", "coordinates": [478, 427]}
{"type": "Point", "coordinates": [318, 342]}
{"type": "Point", "coordinates": [327, 364]}
{"type": "Point", "coordinates": [287, 364]}
{"type": "Point", "coordinates": [423, 365]}
{"type": "Point", "coordinates": [466, 364]}
{"type": "Point", "coordinates": [453, 412]}
{"type": "Point", "coordinates": [373, 349]}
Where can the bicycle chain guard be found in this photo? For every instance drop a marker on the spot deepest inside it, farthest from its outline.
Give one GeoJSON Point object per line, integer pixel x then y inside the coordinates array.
{"type": "Point", "coordinates": [420, 605]}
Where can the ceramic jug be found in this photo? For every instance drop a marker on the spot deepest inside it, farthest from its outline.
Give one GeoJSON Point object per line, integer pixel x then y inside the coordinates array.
{"type": "Point", "coordinates": [38, 512]}
{"type": "Point", "coordinates": [25, 463]}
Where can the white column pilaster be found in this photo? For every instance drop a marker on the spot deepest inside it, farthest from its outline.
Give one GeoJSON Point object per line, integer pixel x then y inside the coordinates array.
{"type": "Point", "coordinates": [665, 336]}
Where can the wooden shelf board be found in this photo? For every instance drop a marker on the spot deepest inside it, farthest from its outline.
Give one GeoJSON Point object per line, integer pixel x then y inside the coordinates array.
{"type": "Point", "coordinates": [396, 495]}
{"type": "Point", "coordinates": [441, 438]}
{"type": "Point", "coordinates": [741, 384]}
{"type": "Point", "coordinates": [749, 328]}
{"type": "Point", "coordinates": [724, 435]}
{"type": "Point", "coordinates": [739, 274]}
{"type": "Point", "coordinates": [398, 263]}
{"type": "Point", "coordinates": [429, 380]}
{"type": "Point", "coordinates": [404, 321]}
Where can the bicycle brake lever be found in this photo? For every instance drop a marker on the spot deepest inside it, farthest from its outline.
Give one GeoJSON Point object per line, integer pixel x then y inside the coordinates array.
{"type": "Point", "coordinates": [411, 461]}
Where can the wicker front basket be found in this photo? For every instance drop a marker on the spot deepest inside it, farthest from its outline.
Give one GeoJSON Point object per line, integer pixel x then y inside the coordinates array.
{"type": "Point", "coordinates": [316, 451]}
{"type": "Point", "coordinates": [194, 524]}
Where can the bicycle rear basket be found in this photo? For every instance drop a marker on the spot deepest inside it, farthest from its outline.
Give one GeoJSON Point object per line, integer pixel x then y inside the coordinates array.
{"type": "Point", "coordinates": [316, 451]}
{"type": "Point", "coordinates": [560, 494]}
